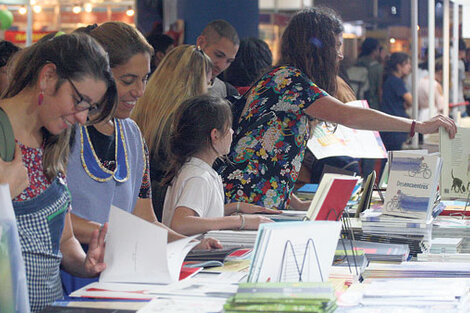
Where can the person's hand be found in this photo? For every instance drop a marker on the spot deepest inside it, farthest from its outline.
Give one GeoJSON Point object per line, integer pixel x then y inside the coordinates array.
{"type": "Point", "coordinates": [253, 221]}
{"type": "Point", "coordinates": [94, 259]}
{"type": "Point", "coordinates": [249, 208]}
{"type": "Point", "coordinates": [14, 173]}
{"type": "Point", "coordinates": [432, 125]}
{"type": "Point", "coordinates": [300, 205]}
{"type": "Point", "coordinates": [208, 244]}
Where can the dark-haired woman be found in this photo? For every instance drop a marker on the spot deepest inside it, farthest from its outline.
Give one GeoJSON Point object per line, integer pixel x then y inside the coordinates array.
{"type": "Point", "coordinates": [269, 143]}
{"type": "Point", "coordinates": [54, 85]}
{"type": "Point", "coordinates": [395, 97]}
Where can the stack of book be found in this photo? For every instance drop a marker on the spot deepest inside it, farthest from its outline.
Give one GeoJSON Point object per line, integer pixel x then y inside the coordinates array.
{"type": "Point", "coordinates": [446, 245]}
{"type": "Point", "coordinates": [376, 222]}
{"type": "Point", "coordinates": [408, 295]}
{"type": "Point", "coordinates": [417, 270]}
{"type": "Point", "coordinates": [234, 238]}
{"type": "Point", "coordinates": [415, 243]}
{"type": "Point", "coordinates": [282, 297]}
{"type": "Point", "coordinates": [407, 213]}
{"type": "Point", "coordinates": [375, 251]}
{"type": "Point", "coordinates": [444, 257]}
{"type": "Point", "coordinates": [453, 227]}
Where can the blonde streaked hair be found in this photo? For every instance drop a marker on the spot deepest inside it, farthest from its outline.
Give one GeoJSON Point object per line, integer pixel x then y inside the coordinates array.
{"type": "Point", "coordinates": [181, 74]}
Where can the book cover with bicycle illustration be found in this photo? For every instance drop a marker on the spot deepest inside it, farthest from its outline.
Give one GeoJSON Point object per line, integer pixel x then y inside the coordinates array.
{"type": "Point", "coordinates": [455, 179]}
{"type": "Point", "coordinates": [412, 184]}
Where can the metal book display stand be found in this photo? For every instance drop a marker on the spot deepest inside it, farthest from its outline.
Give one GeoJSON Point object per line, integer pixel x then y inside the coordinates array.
{"type": "Point", "coordinates": [300, 266]}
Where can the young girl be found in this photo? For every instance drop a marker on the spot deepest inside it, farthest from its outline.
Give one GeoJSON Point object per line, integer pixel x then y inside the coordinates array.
{"type": "Point", "coordinates": [54, 84]}
{"type": "Point", "coordinates": [194, 201]}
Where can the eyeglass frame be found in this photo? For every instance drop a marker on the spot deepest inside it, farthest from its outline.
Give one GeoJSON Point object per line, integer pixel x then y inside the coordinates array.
{"type": "Point", "coordinates": [92, 108]}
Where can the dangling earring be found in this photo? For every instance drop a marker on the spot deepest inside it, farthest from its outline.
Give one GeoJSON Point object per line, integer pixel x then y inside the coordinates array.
{"type": "Point", "coordinates": [41, 97]}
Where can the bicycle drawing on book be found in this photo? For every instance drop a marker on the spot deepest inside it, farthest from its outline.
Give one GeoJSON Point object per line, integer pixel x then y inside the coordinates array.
{"type": "Point", "coordinates": [394, 204]}
{"type": "Point", "coordinates": [406, 204]}
{"type": "Point", "coordinates": [421, 169]}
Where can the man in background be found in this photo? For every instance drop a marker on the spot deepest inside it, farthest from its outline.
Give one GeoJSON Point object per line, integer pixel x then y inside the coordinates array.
{"type": "Point", "coordinates": [368, 58]}
{"type": "Point", "coordinates": [219, 40]}
{"type": "Point", "coordinates": [162, 44]}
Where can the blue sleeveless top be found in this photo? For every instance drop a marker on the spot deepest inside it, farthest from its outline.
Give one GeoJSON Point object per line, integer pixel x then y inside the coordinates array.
{"type": "Point", "coordinates": [93, 187]}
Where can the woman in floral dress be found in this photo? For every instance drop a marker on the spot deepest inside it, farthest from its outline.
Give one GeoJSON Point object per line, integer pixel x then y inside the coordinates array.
{"type": "Point", "coordinates": [269, 143]}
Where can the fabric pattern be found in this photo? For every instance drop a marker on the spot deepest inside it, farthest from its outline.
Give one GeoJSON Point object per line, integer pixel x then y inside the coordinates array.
{"type": "Point", "coordinates": [38, 182]}
{"type": "Point", "coordinates": [40, 225]}
{"type": "Point", "coordinates": [270, 141]}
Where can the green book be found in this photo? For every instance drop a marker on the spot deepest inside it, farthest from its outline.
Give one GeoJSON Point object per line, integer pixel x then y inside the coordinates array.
{"type": "Point", "coordinates": [283, 297]}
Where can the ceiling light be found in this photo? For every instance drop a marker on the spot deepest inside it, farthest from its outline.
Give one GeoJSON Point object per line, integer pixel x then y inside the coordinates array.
{"type": "Point", "coordinates": [87, 7]}
{"type": "Point", "coordinates": [37, 9]}
{"type": "Point", "coordinates": [130, 11]}
{"type": "Point", "coordinates": [22, 10]}
{"type": "Point", "coordinates": [76, 9]}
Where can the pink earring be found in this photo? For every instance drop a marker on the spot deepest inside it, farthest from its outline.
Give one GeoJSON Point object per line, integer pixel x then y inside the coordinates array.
{"type": "Point", "coordinates": [41, 97]}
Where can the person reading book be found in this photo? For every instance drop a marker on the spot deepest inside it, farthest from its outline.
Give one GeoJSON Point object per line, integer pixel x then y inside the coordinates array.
{"type": "Point", "coordinates": [194, 202]}
{"type": "Point", "coordinates": [109, 160]}
{"type": "Point", "coordinates": [55, 84]}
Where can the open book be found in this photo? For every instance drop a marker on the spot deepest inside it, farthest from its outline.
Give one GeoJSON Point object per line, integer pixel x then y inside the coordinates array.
{"type": "Point", "coordinates": [137, 251]}
{"type": "Point", "coordinates": [331, 197]}
{"type": "Point", "coordinates": [356, 143]}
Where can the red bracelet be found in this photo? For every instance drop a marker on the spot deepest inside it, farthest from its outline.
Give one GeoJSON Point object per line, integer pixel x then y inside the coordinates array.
{"type": "Point", "coordinates": [412, 129]}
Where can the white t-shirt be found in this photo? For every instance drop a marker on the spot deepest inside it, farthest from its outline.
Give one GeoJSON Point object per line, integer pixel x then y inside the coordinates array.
{"type": "Point", "coordinates": [198, 187]}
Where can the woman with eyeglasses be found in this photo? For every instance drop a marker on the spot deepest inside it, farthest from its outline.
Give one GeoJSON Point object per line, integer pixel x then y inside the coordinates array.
{"type": "Point", "coordinates": [269, 143]}
{"type": "Point", "coordinates": [42, 103]}
{"type": "Point", "coordinates": [109, 160]}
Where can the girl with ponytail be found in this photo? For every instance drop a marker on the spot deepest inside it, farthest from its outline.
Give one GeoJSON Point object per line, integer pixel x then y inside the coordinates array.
{"type": "Point", "coordinates": [194, 202]}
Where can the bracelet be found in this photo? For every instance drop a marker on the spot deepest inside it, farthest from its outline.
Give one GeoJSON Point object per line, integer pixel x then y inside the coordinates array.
{"type": "Point", "coordinates": [242, 226]}
{"type": "Point", "coordinates": [237, 210]}
{"type": "Point", "coordinates": [412, 130]}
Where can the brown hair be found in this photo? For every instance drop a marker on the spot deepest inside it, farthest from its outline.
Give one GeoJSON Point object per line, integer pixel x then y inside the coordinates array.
{"type": "Point", "coordinates": [121, 41]}
{"type": "Point", "coordinates": [191, 129]}
{"type": "Point", "coordinates": [75, 57]}
{"type": "Point", "coordinates": [218, 29]}
{"type": "Point", "coordinates": [309, 44]}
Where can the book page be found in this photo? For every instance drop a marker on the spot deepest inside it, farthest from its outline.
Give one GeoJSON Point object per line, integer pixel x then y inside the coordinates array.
{"type": "Point", "coordinates": [137, 251]}
{"type": "Point", "coordinates": [346, 141]}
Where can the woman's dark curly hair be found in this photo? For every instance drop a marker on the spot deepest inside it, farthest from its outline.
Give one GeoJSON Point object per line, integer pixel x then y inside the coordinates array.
{"type": "Point", "coordinates": [309, 44]}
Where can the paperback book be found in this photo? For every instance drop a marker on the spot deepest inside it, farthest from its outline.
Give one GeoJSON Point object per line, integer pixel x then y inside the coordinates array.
{"type": "Point", "coordinates": [455, 178]}
{"type": "Point", "coordinates": [283, 297]}
{"type": "Point", "coordinates": [412, 184]}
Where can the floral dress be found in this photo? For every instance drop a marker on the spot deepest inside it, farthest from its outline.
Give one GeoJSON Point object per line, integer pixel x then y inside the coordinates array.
{"type": "Point", "coordinates": [269, 143]}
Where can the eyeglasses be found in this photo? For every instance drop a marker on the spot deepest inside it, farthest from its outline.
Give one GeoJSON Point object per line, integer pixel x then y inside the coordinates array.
{"type": "Point", "coordinates": [83, 104]}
